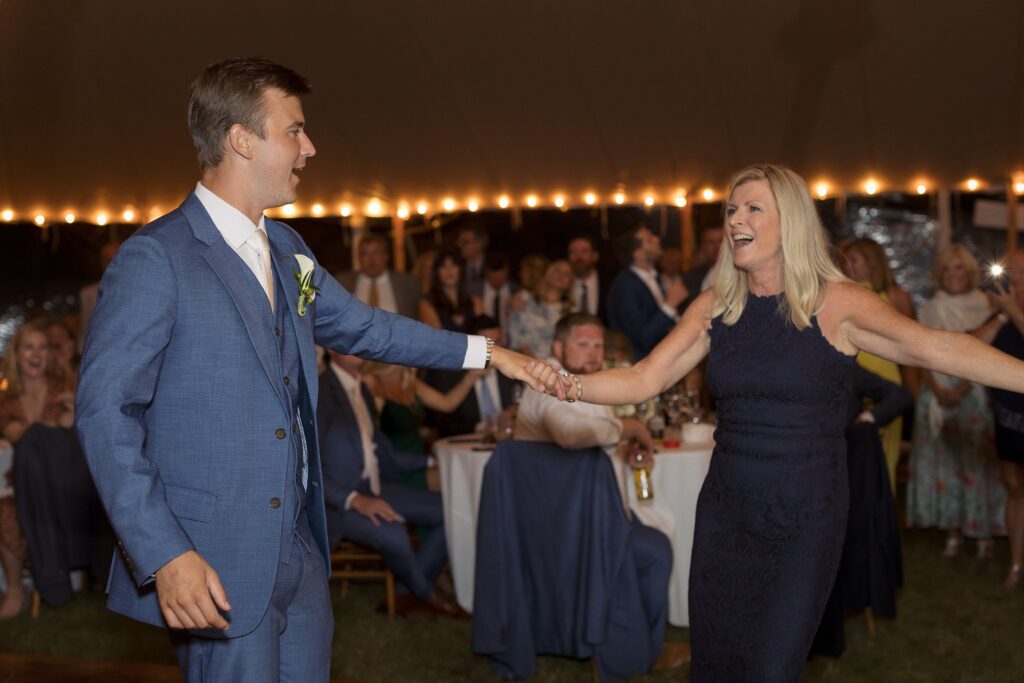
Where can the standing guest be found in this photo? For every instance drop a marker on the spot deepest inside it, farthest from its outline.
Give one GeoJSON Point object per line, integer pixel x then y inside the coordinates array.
{"type": "Point", "coordinates": [376, 284]}
{"type": "Point", "coordinates": [33, 392]}
{"type": "Point", "coordinates": [197, 398]}
{"type": "Point", "coordinates": [495, 290]}
{"type": "Point", "coordinates": [782, 326]}
{"type": "Point", "coordinates": [637, 305]}
{"type": "Point", "coordinates": [531, 271]}
{"type": "Point", "coordinates": [448, 305]}
{"type": "Point", "coordinates": [670, 266]}
{"type": "Point", "coordinates": [953, 481]}
{"type": "Point", "coordinates": [864, 261]}
{"type": "Point", "coordinates": [589, 287]}
{"type": "Point", "coordinates": [533, 327]}
{"type": "Point", "coordinates": [87, 295]}
{"type": "Point", "coordinates": [472, 244]}
{"type": "Point", "coordinates": [1006, 333]}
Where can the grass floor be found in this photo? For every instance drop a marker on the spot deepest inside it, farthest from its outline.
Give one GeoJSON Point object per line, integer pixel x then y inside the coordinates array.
{"type": "Point", "coordinates": [956, 624]}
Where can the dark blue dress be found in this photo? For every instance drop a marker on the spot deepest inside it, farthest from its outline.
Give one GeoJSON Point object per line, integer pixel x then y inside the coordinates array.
{"type": "Point", "coordinates": [772, 511]}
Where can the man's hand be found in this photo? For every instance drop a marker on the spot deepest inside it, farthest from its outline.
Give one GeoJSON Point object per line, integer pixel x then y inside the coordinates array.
{"type": "Point", "coordinates": [190, 593]}
{"type": "Point", "coordinates": [636, 432]}
{"type": "Point", "coordinates": [523, 368]}
{"type": "Point", "coordinates": [376, 509]}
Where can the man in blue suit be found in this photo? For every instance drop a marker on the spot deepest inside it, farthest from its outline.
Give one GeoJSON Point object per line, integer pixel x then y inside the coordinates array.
{"type": "Point", "coordinates": [365, 497]}
{"type": "Point", "coordinates": [197, 398]}
{"type": "Point", "coordinates": [638, 305]}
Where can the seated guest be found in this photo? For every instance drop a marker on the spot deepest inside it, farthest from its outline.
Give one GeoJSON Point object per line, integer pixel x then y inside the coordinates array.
{"type": "Point", "coordinates": [33, 393]}
{"type": "Point", "coordinates": [401, 398]}
{"type": "Point", "coordinates": [448, 305]}
{"type": "Point", "coordinates": [376, 284]}
{"type": "Point", "coordinates": [364, 499]}
{"type": "Point", "coordinates": [578, 347]}
{"type": "Point", "coordinates": [637, 306]}
{"type": "Point", "coordinates": [492, 393]}
{"type": "Point", "coordinates": [531, 329]}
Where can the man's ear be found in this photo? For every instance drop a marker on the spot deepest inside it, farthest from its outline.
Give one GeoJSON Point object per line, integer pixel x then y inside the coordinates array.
{"type": "Point", "coordinates": [240, 141]}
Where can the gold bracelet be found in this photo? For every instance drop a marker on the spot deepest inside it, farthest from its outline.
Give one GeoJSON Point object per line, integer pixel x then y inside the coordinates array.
{"type": "Point", "coordinates": [490, 349]}
{"type": "Point", "coordinates": [579, 388]}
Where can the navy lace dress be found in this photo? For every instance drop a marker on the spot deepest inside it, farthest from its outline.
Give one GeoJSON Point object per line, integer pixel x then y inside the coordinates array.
{"type": "Point", "coordinates": [772, 511]}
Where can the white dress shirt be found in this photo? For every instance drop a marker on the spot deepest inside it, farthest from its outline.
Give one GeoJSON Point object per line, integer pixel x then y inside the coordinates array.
{"type": "Point", "coordinates": [650, 278]}
{"type": "Point", "coordinates": [353, 387]}
{"type": "Point", "coordinates": [385, 293]}
{"type": "Point", "coordinates": [235, 228]}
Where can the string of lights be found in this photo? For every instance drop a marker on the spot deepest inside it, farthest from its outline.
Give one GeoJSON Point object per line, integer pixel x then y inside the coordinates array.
{"type": "Point", "coordinates": [404, 209]}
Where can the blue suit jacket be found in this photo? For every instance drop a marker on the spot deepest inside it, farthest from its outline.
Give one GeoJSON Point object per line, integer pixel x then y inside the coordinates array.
{"type": "Point", "coordinates": [181, 396]}
{"type": "Point", "coordinates": [633, 311]}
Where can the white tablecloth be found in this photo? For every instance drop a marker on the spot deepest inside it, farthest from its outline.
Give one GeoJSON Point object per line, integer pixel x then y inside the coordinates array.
{"type": "Point", "coordinates": [678, 475]}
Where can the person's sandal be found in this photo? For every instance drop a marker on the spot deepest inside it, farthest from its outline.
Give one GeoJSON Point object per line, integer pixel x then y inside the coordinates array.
{"type": "Point", "coordinates": [1013, 577]}
{"type": "Point", "coordinates": [953, 544]}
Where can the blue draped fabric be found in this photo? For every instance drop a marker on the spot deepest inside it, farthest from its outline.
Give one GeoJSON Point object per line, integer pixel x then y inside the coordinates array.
{"type": "Point", "coordinates": [554, 568]}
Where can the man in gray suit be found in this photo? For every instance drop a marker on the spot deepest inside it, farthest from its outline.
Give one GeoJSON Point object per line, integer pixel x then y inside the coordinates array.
{"type": "Point", "coordinates": [375, 284]}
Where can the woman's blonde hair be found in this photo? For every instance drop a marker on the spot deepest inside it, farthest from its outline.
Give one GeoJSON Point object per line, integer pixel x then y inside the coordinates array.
{"type": "Point", "coordinates": [12, 384]}
{"type": "Point", "coordinates": [806, 264]}
{"type": "Point", "coordinates": [951, 252]}
{"type": "Point", "coordinates": [398, 383]}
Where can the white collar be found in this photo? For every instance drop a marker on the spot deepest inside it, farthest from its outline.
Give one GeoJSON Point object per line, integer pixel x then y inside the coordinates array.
{"type": "Point", "coordinates": [232, 224]}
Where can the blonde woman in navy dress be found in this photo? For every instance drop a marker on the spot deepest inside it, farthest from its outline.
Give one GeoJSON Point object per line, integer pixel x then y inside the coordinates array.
{"type": "Point", "coordinates": [781, 328]}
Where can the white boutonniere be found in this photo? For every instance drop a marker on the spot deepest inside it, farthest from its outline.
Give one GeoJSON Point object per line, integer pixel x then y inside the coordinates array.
{"type": "Point", "coordinates": [304, 276]}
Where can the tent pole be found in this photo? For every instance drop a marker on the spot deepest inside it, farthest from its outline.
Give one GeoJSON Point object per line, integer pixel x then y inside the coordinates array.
{"type": "Point", "coordinates": [687, 238]}
{"type": "Point", "coordinates": [398, 244]}
{"type": "Point", "coordinates": [1011, 217]}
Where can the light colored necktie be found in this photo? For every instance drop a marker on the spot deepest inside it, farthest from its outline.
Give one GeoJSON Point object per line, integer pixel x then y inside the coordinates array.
{"type": "Point", "coordinates": [365, 422]}
{"type": "Point", "coordinates": [374, 298]}
{"type": "Point", "coordinates": [259, 243]}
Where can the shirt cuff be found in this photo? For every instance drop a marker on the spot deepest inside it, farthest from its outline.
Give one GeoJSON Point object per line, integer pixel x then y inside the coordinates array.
{"type": "Point", "coordinates": [348, 500]}
{"type": "Point", "coordinates": [476, 352]}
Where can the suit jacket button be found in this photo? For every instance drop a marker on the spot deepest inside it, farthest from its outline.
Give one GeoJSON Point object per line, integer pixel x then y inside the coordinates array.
{"type": "Point", "coordinates": [280, 433]}
{"type": "Point", "coordinates": [286, 380]}
{"type": "Point", "coordinates": [277, 331]}
{"type": "Point", "coordinates": [275, 503]}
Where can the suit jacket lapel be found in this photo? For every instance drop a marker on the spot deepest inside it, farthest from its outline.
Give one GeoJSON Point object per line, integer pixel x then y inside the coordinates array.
{"type": "Point", "coordinates": [285, 266]}
{"type": "Point", "coordinates": [240, 286]}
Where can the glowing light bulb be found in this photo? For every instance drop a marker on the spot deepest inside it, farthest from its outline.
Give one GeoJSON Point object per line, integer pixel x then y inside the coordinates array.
{"type": "Point", "coordinates": [346, 210]}
{"type": "Point", "coordinates": [708, 194]}
{"type": "Point", "coordinates": [871, 186]}
{"type": "Point", "coordinates": [101, 218]}
{"type": "Point", "coordinates": [39, 219]}
{"type": "Point", "coordinates": [288, 210]}
{"type": "Point", "coordinates": [531, 201]}
{"type": "Point", "coordinates": [996, 270]}
{"type": "Point", "coordinates": [590, 199]}
{"type": "Point", "coordinates": [503, 201]}
{"type": "Point", "coordinates": [649, 200]}
{"type": "Point", "coordinates": [154, 213]}
{"type": "Point", "coordinates": [921, 188]}
{"type": "Point", "coordinates": [559, 201]}
{"type": "Point", "coordinates": [680, 200]}
{"type": "Point", "coordinates": [619, 198]}
{"type": "Point", "coordinates": [318, 210]}
{"type": "Point", "coordinates": [7, 215]}
{"type": "Point", "coordinates": [473, 205]}
{"type": "Point", "coordinates": [403, 212]}
{"type": "Point", "coordinates": [821, 189]}
{"type": "Point", "coordinates": [448, 204]}
{"type": "Point", "coordinates": [1018, 187]}
{"type": "Point", "coordinates": [973, 184]}
{"type": "Point", "coordinates": [374, 207]}
{"type": "Point", "coordinates": [421, 208]}
{"type": "Point", "coordinates": [128, 215]}
{"type": "Point", "coordinates": [69, 218]}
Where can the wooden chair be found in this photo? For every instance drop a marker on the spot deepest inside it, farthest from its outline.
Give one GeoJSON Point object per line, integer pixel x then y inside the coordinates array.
{"type": "Point", "coordinates": [355, 561]}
